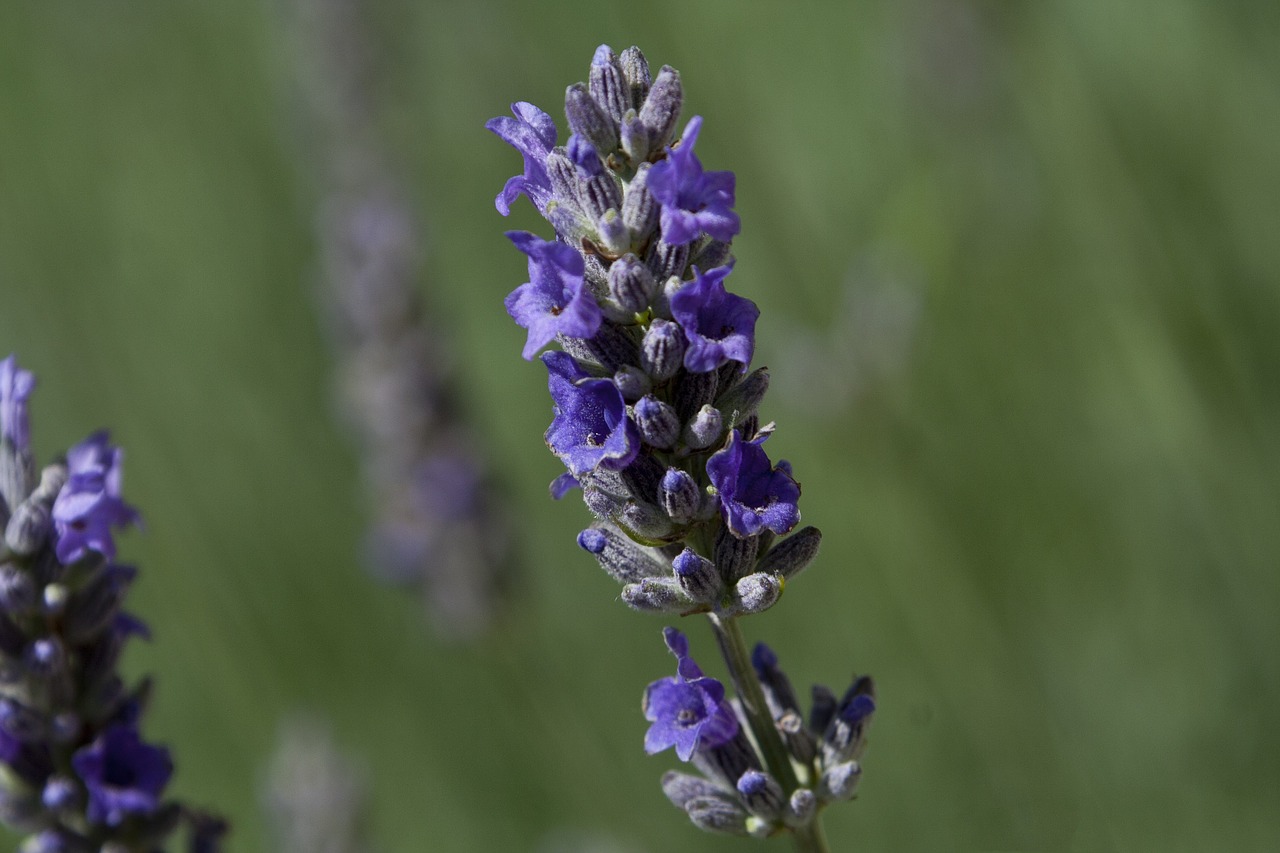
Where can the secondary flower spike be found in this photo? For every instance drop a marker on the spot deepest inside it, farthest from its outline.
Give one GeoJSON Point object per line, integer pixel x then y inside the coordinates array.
{"type": "Point", "coordinates": [77, 773]}
{"type": "Point", "coordinates": [656, 415]}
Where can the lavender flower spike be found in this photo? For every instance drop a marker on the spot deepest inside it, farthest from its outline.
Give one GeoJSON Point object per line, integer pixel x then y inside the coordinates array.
{"type": "Point", "coordinates": [533, 133]}
{"type": "Point", "coordinates": [74, 769]}
{"type": "Point", "coordinates": [89, 505]}
{"type": "Point", "coordinates": [591, 428]}
{"type": "Point", "coordinates": [555, 300]}
{"type": "Point", "coordinates": [718, 326]}
{"type": "Point", "coordinates": [754, 495]}
{"type": "Point", "coordinates": [693, 201]}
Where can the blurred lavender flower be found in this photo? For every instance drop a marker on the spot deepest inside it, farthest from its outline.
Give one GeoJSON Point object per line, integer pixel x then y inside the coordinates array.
{"type": "Point", "coordinates": [436, 521]}
{"type": "Point", "coordinates": [655, 416]}
{"type": "Point", "coordinates": [316, 799]}
{"type": "Point", "coordinates": [76, 773]}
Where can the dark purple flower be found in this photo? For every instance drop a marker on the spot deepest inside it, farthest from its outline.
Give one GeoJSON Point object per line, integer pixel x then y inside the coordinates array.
{"type": "Point", "coordinates": [688, 711]}
{"type": "Point", "coordinates": [124, 776]}
{"type": "Point", "coordinates": [753, 493]}
{"type": "Point", "coordinates": [590, 428]}
{"type": "Point", "coordinates": [16, 385]}
{"type": "Point", "coordinates": [533, 133]}
{"type": "Point", "coordinates": [89, 504]}
{"type": "Point", "coordinates": [693, 201]}
{"type": "Point", "coordinates": [554, 300]}
{"type": "Point", "coordinates": [719, 326]}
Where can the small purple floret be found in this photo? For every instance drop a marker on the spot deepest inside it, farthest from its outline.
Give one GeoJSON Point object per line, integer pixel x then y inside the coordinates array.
{"type": "Point", "coordinates": [555, 299]}
{"type": "Point", "coordinates": [124, 776]}
{"type": "Point", "coordinates": [90, 505]}
{"type": "Point", "coordinates": [693, 201]}
{"type": "Point", "coordinates": [754, 494]}
{"type": "Point", "coordinates": [590, 428]}
{"type": "Point", "coordinates": [719, 326]}
{"type": "Point", "coordinates": [16, 385]}
{"type": "Point", "coordinates": [688, 711]}
{"type": "Point", "coordinates": [533, 133]}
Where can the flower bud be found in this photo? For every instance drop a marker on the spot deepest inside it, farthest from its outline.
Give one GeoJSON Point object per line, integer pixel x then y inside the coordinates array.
{"type": "Point", "coordinates": [698, 577]}
{"type": "Point", "coordinates": [662, 351]}
{"type": "Point", "coordinates": [17, 589]}
{"type": "Point", "coordinates": [757, 593]}
{"type": "Point", "coordinates": [634, 138]}
{"type": "Point", "coordinates": [608, 85]}
{"type": "Point", "coordinates": [631, 285]}
{"type": "Point", "coordinates": [587, 119]}
{"type": "Point", "coordinates": [661, 109]}
{"type": "Point", "coordinates": [680, 788]}
{"type": "Point", "coordinates": [635, 68]}
{"type": "Point", "coordinates": [614, 236]}
{"type": "Point", "coordinates": [563, 175]}
{"type": "Point", "coordinates": [704, 429]}
{"type": "Point", "coordinates": [666, 260]}
{"type": "Point", "coordinates": [28, 528]}
{"type": "Point", "coordinates": [790, 556]}
{"type": "Point", "coordinates": [801, 808]}
{"type": "Point", "coordinates": [633, 383]}
{"type": "Point", "coordinates": [624, 560]}
{"type": "Point", "coordinates": [640, 210]}
{"type": "Point", "coordinates": [679, 495]}
{"type": "Point", "coordinates": [656, 595]}
{"type": "Point", "coordinates": [657, 422]}
{"type": "Point", "coordinates": [714, 814]}
{"type": "Point", "coordinates": [761, 794]}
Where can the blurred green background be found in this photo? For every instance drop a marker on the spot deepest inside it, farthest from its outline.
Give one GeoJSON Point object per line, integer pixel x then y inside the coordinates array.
{"type": "Point", "coordinates": [1019, 268]}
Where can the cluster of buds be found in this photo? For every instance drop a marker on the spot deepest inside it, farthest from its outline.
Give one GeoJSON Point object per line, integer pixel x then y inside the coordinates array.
{"type": "Point", "coordinates": [736, 794]}
{"type": "Point", "coordinates": [75, 772]}
{"type": "Point", "coordinates": [656, 419]}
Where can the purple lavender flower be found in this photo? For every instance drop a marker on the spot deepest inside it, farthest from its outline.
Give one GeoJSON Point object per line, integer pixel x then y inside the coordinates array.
{"type": "Point", "coordinates": [693, 201]}
{"type": "Point", "coordinates": [555, 299]}
{"type": "Point", "coordinates": [688, 711]}
{"type": "Point", "coordinates": [533, 133]}
{"type": "Point", "coordinates": [123, 774]}
{"type": "Point", "coordinates": [15, 387]}
{"type": "Point", "coordinates": [590, 428]}
{"type": "Point", "coordinates": [719, 326]}
{"type": "Point", "coordinates": [89, 505]}
{"type": "Point", "coordinates": [754, 494]}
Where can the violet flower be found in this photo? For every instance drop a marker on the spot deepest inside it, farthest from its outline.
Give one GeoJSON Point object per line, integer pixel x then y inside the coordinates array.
{"type": "Point", "coordinates": [688, 711]}
{"type": "Point", "coordinates": [693, 202]}
{"type": "Point", "coordinates": [533, 133]}
{"type": "Point", "coordinates": [89, 505]}
{"type": "Point", "coordinates": [124, 775]}
{"type": "Point", "coordinates": [555, 300]}
{"type": "Point", "coordinates": [754, 494]}
{"type": "Point", "coordinates": [590, 428]}
{"type": "Point", "coordinates": [718, 326]}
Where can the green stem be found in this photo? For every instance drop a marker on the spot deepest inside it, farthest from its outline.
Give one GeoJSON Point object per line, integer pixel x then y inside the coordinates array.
{"type": "Point", "coordinates": [811, 838]}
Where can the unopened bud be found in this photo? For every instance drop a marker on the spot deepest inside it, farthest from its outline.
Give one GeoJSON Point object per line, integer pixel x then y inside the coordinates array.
{"type": "Point", "coordinates": [657, 423]}
{"type": "Point", "coordinates": [586, 119]}
{"type": "Point", "coordinates": [631, 285]}
{"type": "Point", "coordinates": [624, 560]}
{"type": "Point", "coordinates": [661, 109]}
{"type": "Point", "coordinates": [757, 593]}
{"type": "Point", "coordinates": [656, 595]}
{"type": "Point", "coordinates": [698, 577]}
{"type": "Point", "coordinates": [662, 351]}
{"type": "Point", "coordinates": [635, 68]}
{"type": "Point", "coordinates": [761, 794]}
{"type": "Point", "coordinates": [680, 496]}
{"type": "Point", "coordinates": [633, 383]}
{"type": "Point", "coordinates": [704, 429]}
{"type": "Point", "coordinates": [717, 815]}
{"type": "Point", "coordinates": [790, 556]}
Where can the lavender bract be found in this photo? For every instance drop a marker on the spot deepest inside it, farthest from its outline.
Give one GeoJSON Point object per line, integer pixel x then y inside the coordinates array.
{"type": "Point", "coordinates": [77, 774]}
{"type": "Point", "coordinates": [656, 417]}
